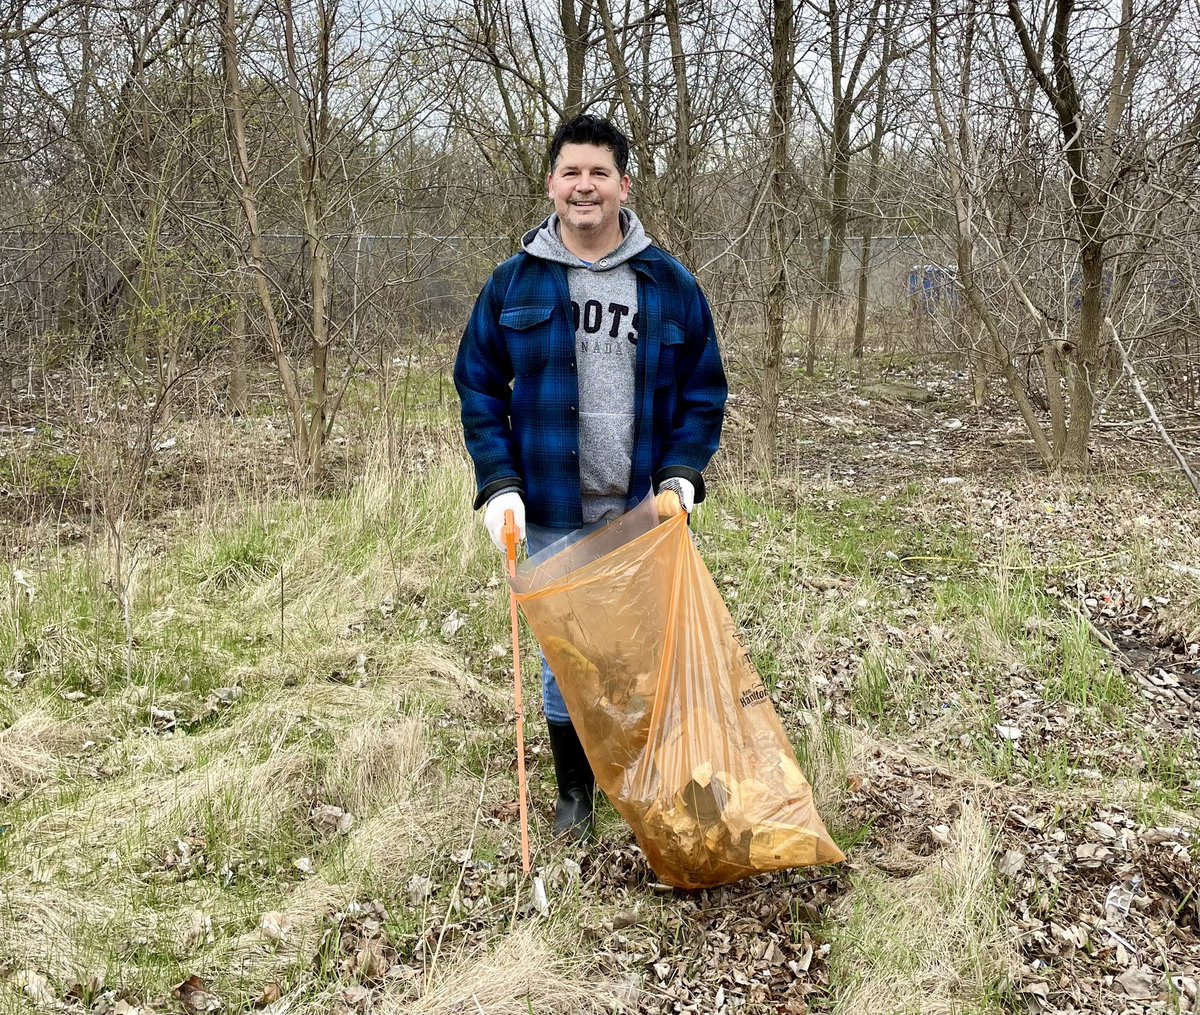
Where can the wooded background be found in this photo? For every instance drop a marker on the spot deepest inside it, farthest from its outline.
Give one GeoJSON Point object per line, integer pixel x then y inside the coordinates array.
{"type": "Point", "coordinates": [194, 187]}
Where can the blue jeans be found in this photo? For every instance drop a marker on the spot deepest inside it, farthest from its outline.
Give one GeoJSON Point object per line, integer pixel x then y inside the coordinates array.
{"type": "Point", "coordinates": [537, 538]}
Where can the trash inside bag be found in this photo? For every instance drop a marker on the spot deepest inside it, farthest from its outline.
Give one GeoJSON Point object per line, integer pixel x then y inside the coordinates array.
{"type": "Point", "coordinates": [680, 731]}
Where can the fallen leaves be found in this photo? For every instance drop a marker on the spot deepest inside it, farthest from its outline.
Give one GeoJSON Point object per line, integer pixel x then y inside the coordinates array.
{"type": "Point", "coordinates": [85, 991]}
{"type": "Point", "coordinates": [354, 998]}
{"type": "Point", "coordinates": [1139, 983]}
{"type": "Point", "coordinates": [199, 931]}
{"type": "Point", "coordinates": [330, 819]}
{"type": "Point", "coordinates": [1011, 863]}
{"type": "Point", "coordinates": [1102, 907]}
{"type": "Point", "coordinates": [275, 928]}
{"type": "Point", "coordinates": [419, 890]}
{"type": "Point", "coordinates": [189, 714]}
{"type": "Point", "coordinates": [196, 998]}
{"type": "Point", "coordinates": [370, 960]}
{"type": "Point", "coordinates": [1007, 731]}
{"type": "Point", "coordinates": [1104, 901]}
{"type": "Point", "coordinates": [34, 986]}
{"type": "Point", "coordinates": [747, 945]}
{"type": "Point", "coordinates": [453, 623]}
{"type": "Point", "coordinates": [186, 857]}
{"type": "Point", "coordinates": [356, 944]}
{"type": "Point", "coordinates": [272, 993]}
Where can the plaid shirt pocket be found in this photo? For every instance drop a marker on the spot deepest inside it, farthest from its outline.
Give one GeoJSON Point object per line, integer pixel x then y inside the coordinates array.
{"type": "Point", "coordinates": [528, 342]}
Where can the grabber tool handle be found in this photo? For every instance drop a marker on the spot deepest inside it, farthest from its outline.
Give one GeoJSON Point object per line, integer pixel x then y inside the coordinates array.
{"type": "Point", "coordinates": [509, 532]}
{"type": "Point", "coordinates": [510, 548]}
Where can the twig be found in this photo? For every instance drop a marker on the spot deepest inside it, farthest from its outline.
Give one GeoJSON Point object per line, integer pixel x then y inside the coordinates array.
{"type": "Point", "coordinates": [127, 615]}
{"type": "Point", "coordinates": [462, 870]}
{"type": "Point", "coordinates": [930, 559]}
{"type": "Point", "coordinates": [1191, 572]}
{"type": "Point", "coordinates": [1137, 390]}
{"type": "Point", "coordinates": [903, 561]}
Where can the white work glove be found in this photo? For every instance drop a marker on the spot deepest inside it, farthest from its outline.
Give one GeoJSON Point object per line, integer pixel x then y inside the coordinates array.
{"type": "Point", "coordinates": [684, 488]}
{"type": "Point", "coordinates": [493, 517]}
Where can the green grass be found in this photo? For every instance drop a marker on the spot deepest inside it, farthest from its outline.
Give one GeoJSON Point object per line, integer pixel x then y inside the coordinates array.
{"type": "Point", "coordinates": [853, 535]}
{"type": "Point", "coordinates": [234, 559]}
{"type": "Point", "coordinates": [240, 775]}
{"type": "Point", "coordinates": [940, 929]}
{"type": "Point", "coordinates": [1169, 764]}
{"type": "Point", "coordinates": [351, 696]}
{"type": "Point", "coordinates": [882, 689]}
{"type": "Point", "coordinates": [1081, 674]}
{"type": "Point", "coordinates": [43, 474]}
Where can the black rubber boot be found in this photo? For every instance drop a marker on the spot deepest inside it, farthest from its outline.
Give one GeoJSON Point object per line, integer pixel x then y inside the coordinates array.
{"type": "Point", "coordinates": [576, 784]}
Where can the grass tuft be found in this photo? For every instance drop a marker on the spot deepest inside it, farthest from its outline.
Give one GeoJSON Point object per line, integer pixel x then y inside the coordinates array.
{"type": "Point", "coordinates": [527, 972]}
{"type": "Point", "coordinates": [931, 943]}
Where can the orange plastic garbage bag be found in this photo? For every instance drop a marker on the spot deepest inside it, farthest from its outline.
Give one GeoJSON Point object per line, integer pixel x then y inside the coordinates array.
{"type": "Point", "coordinates": [680, 731]}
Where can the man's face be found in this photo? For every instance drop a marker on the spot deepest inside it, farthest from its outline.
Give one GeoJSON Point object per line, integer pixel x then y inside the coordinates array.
{"type": "Point", "coordinates": [587, 190]}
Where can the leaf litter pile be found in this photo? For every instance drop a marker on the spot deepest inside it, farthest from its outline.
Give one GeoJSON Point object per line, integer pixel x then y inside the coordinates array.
{"type": "Point", "coordinates": [1048, 715]}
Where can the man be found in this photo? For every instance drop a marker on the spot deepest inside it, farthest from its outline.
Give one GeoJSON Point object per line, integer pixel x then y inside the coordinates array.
{"type": "Point", "coordinates": [589, 376]}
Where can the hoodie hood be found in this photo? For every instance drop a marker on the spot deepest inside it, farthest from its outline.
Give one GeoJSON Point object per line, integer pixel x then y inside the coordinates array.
{"type": "Point", "coordinates": [545, 242]}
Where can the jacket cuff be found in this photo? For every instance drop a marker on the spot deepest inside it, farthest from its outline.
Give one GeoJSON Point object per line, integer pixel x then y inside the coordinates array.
{"type": "Point", "coordinates": [682, 472]}
{"type": "Point", "coordinates": [496, 487]}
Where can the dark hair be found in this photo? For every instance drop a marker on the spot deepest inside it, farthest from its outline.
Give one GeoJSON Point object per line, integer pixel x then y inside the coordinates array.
{"type": "Point", "coordinates": [590, 129]}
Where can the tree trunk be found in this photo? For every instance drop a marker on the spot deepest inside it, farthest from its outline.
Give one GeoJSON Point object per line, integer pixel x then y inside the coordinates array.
{"type": "Point", "coordinates": [814, 336]}
{"type": "Point", "coordinates": [238, 398]}
{"type": "Point", "coordinates": [1052, 371]}
{"type": "Point", "coordinates": [249, 204]}
{"type": "Point", "coordinates": [576, 24]}
{"type": "Point", "coordinates": [979, 366]}
{"type": "Point", "coordinates": [311, 127]}
{"type": "Point", "coordinates": [1093, 163]}
{"type": "Point", "coordinates": [839, 218]}
{"type": "Point", "coordinates": [649, 205]}
{"type": "Point", "coordinates": [864, 278]}
{"type": "Point", "coordinates": [683, 206]}
{"type": "Point", "coordinates": [1091, 315]}
{"type": "Point", "coordinates": [762, 452]}
{"type": "Point", "coordinates": [868, 232]}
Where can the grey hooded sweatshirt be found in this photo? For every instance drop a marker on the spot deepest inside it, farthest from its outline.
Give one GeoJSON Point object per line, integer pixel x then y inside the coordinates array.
{"type": "Point", "coordinates": [604, 303]}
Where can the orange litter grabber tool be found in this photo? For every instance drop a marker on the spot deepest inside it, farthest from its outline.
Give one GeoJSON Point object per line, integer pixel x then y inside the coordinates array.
{"type": "Point", "coordinates": [510, 547]}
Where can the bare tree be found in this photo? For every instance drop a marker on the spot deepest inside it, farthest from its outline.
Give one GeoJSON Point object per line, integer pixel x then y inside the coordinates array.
{"type": "Point", "coordinates": [783, 60]}
{"type": "Point", "coordinates": [342, 122]}
{"type": "Point", "coordinates": [1099, 156]}
{"type": "Point", "coordinates": [859, 46]}
{"type": "Point", "coordinates": [1021, 272]}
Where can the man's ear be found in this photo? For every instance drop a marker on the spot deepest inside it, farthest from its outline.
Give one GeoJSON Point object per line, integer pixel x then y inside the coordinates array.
{"type": "Point", "coordinates": [549, 179]}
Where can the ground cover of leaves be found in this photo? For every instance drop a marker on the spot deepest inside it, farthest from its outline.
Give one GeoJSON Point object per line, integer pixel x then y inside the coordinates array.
{"type": "Point", "coordinates": [991, 677]}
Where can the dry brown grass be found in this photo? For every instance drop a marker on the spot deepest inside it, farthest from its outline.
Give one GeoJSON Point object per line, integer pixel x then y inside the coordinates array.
{"type": "Point", "coordinates": [932, 943]}
{"type": "Point", "coordinates": [527, 971]}
{"type": "Point", "coordinates": [34, 750]}
{"type": "Point", "coordinates": [43, 926]}
{"type": "Point", "coordinates": [372, 765]}
{"type": "Point", "coordinates": [391, 753]}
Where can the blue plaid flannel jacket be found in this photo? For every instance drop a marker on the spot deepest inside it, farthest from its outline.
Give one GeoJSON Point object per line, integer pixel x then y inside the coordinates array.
{"type": "Point", "coordinates": [519, 387]}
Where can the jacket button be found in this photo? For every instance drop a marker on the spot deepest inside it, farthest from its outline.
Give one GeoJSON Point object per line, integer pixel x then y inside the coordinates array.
{"type": "Point", "coordinates": [572, 364]}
